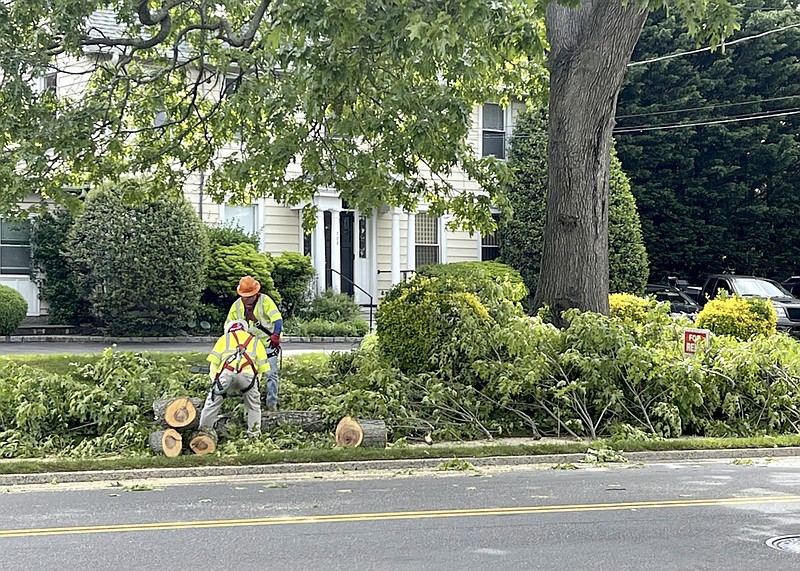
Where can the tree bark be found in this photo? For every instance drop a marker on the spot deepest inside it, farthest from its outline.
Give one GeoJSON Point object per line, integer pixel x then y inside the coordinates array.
{"type": "Point", "coordinates": [590, 47]}
{"type": "Point", "coordinates": [352, 433]}
{"type": "Point", "coordinates": [167, 442]}
{"type": "Point", "coordinates": [180, 412]}
{"type": "Point", "coordinates": [308, 420]}
{"type": "Point", "coordinates": [203, 442]}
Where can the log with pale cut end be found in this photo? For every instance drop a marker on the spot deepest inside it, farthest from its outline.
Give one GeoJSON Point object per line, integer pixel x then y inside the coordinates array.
{"type": "Point", "coordinates": [203, 442]}
{"type": "Point", "coordinates": [307, 420]}
{"type": "Point", "coordinates": [180, 412]}
{"type": "Point", "coordinates": [167, 442]}
{"type": "Point", "coordinates": [351, 433]}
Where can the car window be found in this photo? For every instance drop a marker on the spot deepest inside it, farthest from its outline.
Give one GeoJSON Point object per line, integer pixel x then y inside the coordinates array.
{"type": "Point", "coordinates": [759, 288]}
{"type": "Point", "coordinates": [723, 285]}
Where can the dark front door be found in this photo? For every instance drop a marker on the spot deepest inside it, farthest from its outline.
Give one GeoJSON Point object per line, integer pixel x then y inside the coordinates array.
{"type": "Point", "coordinates": [346, 229]}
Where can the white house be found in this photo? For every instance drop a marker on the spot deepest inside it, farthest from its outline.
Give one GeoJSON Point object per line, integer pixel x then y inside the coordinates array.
{"type": "Point", "coordinates": [361, 253]}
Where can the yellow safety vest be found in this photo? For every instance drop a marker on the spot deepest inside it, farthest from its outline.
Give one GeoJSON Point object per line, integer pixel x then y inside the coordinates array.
{"type": "Point", "coordinates": [236, 351]}
{"type": "Point", "coordinates": [265, 311]}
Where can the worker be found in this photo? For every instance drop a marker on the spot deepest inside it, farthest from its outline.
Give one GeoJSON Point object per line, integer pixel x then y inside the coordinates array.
{"type": "Point", "coordinates": [237, 360]}
{"type": "Point", "coordinates": [263, 320]}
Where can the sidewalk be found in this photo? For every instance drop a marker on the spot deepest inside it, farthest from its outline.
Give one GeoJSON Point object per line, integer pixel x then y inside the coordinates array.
{"type": "Point", "coordinates": [61, 344]}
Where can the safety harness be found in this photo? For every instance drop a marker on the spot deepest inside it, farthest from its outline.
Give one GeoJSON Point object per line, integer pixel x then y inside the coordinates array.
{"type": "Point", "coordinates": [235, 362]}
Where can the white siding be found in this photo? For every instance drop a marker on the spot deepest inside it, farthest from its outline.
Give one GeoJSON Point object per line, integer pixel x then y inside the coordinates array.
{"type": "Point", "coordinates": [281, 228]}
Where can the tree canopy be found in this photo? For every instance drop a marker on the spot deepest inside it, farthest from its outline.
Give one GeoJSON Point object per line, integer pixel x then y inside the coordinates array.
{"type": "Point", "coordinates": [372, 99]}
{"type": "Point", "coordinates": [723, 192]}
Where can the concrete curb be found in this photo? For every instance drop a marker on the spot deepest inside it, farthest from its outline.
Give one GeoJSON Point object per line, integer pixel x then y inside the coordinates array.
{"type": "Point", "coordinates": [366, 465]}
{"type": "Point", "coordinates": [199, 340]}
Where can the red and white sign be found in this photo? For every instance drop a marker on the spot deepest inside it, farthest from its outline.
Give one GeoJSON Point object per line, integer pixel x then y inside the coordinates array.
{"type": "Point", "coordinates": [695, 340]}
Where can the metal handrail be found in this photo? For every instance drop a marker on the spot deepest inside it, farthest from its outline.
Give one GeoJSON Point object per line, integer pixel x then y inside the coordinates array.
{"type": "Point", "coordinates": [361, 289]}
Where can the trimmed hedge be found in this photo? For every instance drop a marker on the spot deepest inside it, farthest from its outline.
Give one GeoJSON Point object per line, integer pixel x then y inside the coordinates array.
{"type": "Point", "coordinates": [228, 264]}
{"type": "Point", "coordinates": [141, 265]}
{"type": "Point", "coordinates": [482, 278]}
{"type": "Point", "coordinates": [742, 318]}
{"type": "Point", "coordinates": [13, 308]}
{"type": "Point", "coordinates": [292, 275]}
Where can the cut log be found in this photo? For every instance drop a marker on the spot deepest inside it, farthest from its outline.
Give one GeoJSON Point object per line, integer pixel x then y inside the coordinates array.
{"type": "Point", "coordinates": [307, 420]}
{"type": "Point", "coordinates": [203, 442]}
{"type": "Point", "coordinates": [351, 433]}
{"type": "Point", "coordinates": [167, 442]}
{"type": "Point", "coordinates": [180, 412]}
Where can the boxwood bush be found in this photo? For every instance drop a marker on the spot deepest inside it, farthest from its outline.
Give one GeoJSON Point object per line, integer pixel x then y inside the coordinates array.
{"type": "Point", "coordinates": [141, 266]}
{"type": "Point", "coordinates": [738, 317]}
{"type": "Point", "coordinates": [13, 308]}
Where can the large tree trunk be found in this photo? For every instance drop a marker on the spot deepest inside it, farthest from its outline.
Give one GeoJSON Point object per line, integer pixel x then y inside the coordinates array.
{"type": "Point", "coordinates": [589, 51]}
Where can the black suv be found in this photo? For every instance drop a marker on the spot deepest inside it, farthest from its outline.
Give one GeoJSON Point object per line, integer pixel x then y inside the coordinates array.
{"type": "Point", "coordinates": [786, 306]}
{"type": "Point", "coordinates": [792, 285]}
{"type": "Point", "coordinates": [679, 302]}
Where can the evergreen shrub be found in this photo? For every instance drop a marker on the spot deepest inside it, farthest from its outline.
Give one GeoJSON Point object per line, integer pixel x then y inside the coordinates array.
{"type": "Point", "coordinates": [738, 317]}
{"type": "Point", "coordinates": [13, 308]}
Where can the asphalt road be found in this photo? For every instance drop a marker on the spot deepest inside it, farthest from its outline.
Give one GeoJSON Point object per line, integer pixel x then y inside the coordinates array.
{"type": "Point", "coordinates": [713, 515]}
{"type": "Point", "coordinates": [51, 348]}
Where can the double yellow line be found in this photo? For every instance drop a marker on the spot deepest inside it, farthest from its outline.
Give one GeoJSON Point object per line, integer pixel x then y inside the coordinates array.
{"type": "Point", "coordinates": [384, 516]}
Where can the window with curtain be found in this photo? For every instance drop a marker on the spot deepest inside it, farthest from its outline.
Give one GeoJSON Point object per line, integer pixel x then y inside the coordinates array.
{"type": "Point", "coordinates": [493, 132]}
{"type": "Point", "coordinates": [15, 248]}
{"type": "Point", "coordinates": [242, 216]}
{"type": "Point", "coordinates": [427, 239]}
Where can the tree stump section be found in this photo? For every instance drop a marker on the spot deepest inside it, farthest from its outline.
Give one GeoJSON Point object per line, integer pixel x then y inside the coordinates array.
{"type": "Point", "coordinates": [307, 420]}
{"type": "Point", "coordinates": [181, 412]}
{"type": "Point", "coordinates": [167, 442]}
{"type": "Point", "coordinates": [203, 442]}
{"type": "Point", "coordinates": [367, 433]}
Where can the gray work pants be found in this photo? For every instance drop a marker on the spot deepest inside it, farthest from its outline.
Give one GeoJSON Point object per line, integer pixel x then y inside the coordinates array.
{"type": "Point", "coordinates": [252, 401]}
{"type": "Point", "coordinates": [272, 379]}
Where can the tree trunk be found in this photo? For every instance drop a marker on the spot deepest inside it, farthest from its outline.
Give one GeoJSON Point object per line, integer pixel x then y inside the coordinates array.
{"type": "Point", "coordinates": [180, 412]}
{"type": "Point", "coordinates": [308, 420]}
{"type": "Point", "coordinates": [589, 50]}
{"type": "Point", "coordinates": [352, 433]}
{"type": "Point", "coordinates": [203, 442]}
{"type": "Point", "coordinates": [167, 442]}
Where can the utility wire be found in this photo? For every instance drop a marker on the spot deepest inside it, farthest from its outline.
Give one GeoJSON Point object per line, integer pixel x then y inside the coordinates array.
{"type": "Point", "coordinates": [723, 44]}
{"type": "Point", "coordinates": [643, 128]}
{"type": "Point", "coordinates": [707, 107]}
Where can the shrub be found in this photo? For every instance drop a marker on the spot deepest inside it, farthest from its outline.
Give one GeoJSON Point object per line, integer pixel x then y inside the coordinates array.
{"type": "Point", "coordinates": [56, 280]}
{"type": "Point", "coordinates": [229, 235]}
{"type": "Point", "coordinates": [323, 328]}
{"type": "Point", "coordinates": [630, 307]}
{"type": "Point", "coordinates": [140, 266]}
{"type": "Point", "coordinates": [418, 319]}
{"type": "Point", "coordinates": [292, 275]}
{"type": "Point", "coordinates": [738, 317]}
{"type": "Point", "coordinates": [521, 235]}
{"type": "Point", "coordinates": [331, 306]}
{"type": "Point", "coordinates": [228, 264]}
{"type": "Point", "coordinates": [13, 308]}
{"type": "Point", "coordinates": [490, 281]}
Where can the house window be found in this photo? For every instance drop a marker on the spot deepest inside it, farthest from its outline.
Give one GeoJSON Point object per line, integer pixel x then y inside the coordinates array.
{"type": "Point", "coordinates": [493, 131]}
{"type": "Point", "coordinates": [427, 238]}
{"type": "Point", "coordinates": [490, 245]}
{"type": "Point", "coordinates": [242, 216]}
{"type": "Point", "coordinates": [15, 248]}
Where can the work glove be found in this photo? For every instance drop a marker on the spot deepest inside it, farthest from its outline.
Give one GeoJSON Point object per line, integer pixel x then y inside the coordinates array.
{"type": "Point", "coordinates": [275, 340]}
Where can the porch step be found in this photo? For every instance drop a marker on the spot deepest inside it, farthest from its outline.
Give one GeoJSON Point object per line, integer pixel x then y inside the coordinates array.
{"type": "Point", "coordinates": [365, 315]}
{"type": "Point", "coordinates": [45, 329]}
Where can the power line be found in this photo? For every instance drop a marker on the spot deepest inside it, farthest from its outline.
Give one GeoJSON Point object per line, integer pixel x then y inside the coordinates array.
{"type": "Point", "coordinates": [723, 44]}
{"type": "Point", "coordinates": [707, 107]}
{"type": "Point", "coordinates": [643, 128]}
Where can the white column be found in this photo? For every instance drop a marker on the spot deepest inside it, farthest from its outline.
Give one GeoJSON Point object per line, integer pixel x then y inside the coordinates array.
{"type": "Point", "coordinates": [336, 252]}
{"type": "Point", "coordinates": [318, 251]}
{"type": "Point", "coordinates": [443, 238]}
{"type": "Point", "coordinates": [395, 246]}
{"type": "Point", "coordinates": [411, 242]}
{"type": "Point", "coordinates": [372, 254]}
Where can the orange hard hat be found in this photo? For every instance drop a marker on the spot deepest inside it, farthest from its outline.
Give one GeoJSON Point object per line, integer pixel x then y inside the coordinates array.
{"type": "Point", "coordinates": [248, 286]}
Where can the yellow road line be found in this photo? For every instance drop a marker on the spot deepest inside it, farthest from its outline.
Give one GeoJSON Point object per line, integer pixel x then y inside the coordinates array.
{"type": "Point", "coordinates": [382, 516]}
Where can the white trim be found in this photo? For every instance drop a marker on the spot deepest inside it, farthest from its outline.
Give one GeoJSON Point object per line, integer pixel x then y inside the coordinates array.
{"type": "Point", "coordinates": [411, 241]}
{"type": "Point", "coordinates": [318, 250]}
{"type": "Point", "coordinates": [395, 246]}
{"type": "Point", "coordinates": [443, 238]}
{"type": "Point", "coordinates": [261, 224]}
{"type": "Point", "coordinates": [372, 253]}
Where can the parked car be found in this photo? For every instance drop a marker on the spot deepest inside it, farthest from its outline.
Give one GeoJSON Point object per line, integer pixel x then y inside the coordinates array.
{"type": "Point", "coordinates": [678, 300]}
{"type": "Point", "coordinates": [792, 285]}
{"type": "Point", "coordinates": [786, 305]}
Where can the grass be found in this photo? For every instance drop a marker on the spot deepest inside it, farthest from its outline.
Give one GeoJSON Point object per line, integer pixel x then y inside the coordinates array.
{"type": "Point", "coordinates": [445, 453]}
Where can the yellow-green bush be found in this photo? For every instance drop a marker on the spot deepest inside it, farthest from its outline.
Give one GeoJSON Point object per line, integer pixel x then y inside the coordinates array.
{"type": "Point", "coordinates": [742, 318]}
{"type": "Point", "coordinates": [629, 307]}
{"type": "Point", "coordinates": [427, 317]}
